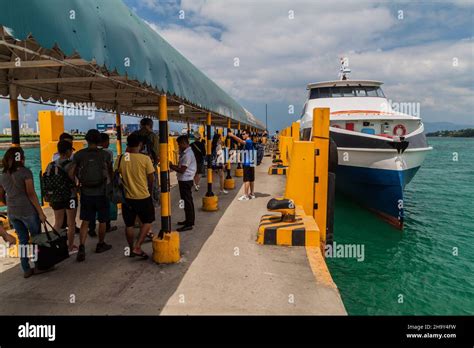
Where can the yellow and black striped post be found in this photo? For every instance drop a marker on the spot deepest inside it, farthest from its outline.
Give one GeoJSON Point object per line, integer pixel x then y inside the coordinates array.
{"type": "Point", "coordinates": [229, 183]}
{"type": "Point", "coordinates": [321, 144]}
{"type": "Point", "coordinates": [166, 244]}
{"type": "Point", "coordinates": [118, 130]}
{"type": "Point", "coordinates": [15, 125]}
{"type": "Point", "coordinates": [239, 172]}
{"type": "Point", "coordinates": [209, 201]}
{"type": "Point", "coordinates": [164, 168]}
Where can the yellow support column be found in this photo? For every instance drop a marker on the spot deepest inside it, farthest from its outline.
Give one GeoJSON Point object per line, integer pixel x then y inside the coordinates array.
{"type": "Point", "coordinates": [295, 131]}
{"type": "Point", "coordinates": [229, 183]}
{"type": "Point", "coordinates": [166, 244]}
{"type": "Point", "coordinates": [239, 171]}
{"type": "Point", "coordinates": [209, 201]}
{"type": "Point", "coordinates": [321, 144]}
{"type": "Point", "coordinates": [118, 130]}
{"type": "Point", "coordinates": [14, 123]}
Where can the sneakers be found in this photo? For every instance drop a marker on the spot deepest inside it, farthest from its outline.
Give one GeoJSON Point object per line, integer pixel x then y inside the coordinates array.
{"type": "Point", "coordinates": [81, 254]}
{"type": "Point", "coordinates": [185, 228]}
{"type": "Point", "coordinates": [224, 192]}
{"type": "Point", "coordinates": [196, 187]}
{"type": "Point", "coordinates": [252, 196]}
{"type": "Point", "coordinates": [102, 247]}
{"type": "Point", "coordinates": [243, 198]}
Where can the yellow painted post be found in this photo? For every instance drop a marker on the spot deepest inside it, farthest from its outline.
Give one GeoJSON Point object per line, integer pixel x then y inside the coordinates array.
{"type": "Point", "coordinates": [229, 183]}
{"type": "Point", "coordinates": [14, 123]}
{"type": "Point", "coordinates": [295, 131]}
{"type": "Point", "coordinates": [320, 138]}
{"type": "Point", "coordinates": [166, 244]}
{"type": "Point", "coordinates": [209, 201]}
{"type": "Point", "coordinates": [118, 130]}
{"type": "Point", "coordinates": [300, 176]}
{"type": "Point", "coordinates": [239, 171]}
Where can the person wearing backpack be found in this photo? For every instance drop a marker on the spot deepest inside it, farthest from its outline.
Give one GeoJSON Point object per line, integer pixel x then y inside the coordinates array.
{"type": "Point", "coordinates": [199, 150]}
{"type": "Point", "coordinates": [151, 140]}
{"type": "Point", "coordinates": [61, 193]}
{"type": "Point", "coordinates": [93, 168]}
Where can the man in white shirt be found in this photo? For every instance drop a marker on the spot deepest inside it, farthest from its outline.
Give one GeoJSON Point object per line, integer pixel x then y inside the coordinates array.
{"type": "Point", "coordinates": [186, 170]}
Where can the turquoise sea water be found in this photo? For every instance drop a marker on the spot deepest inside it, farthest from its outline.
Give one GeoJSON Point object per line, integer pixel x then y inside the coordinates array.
{"type": "Point", "coordinates": [417, 263]}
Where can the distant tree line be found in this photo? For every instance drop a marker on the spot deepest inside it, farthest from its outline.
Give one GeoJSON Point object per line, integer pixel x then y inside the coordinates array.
{"type": "Point", "coordinates": [462, 133]}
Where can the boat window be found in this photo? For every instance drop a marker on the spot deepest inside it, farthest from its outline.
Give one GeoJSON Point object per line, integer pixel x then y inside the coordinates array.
{"type": "Point", "coordinates": [324, 92]}
{"type": "Point", "coordinates": [346, 91]}
{"type": "Point", "coordinates": [336, 92]}
{"type": "Point", "coordinates": [314, 93]}
{"type": "Point", "coordinates": [360, 92]}
{"type": "Point", "coordinates": [306, 134]}
{"type": "Point", "coordinates": [371, 91]}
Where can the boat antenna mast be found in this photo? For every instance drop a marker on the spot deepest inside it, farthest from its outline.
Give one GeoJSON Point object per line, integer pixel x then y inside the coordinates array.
{"type": "Point", "coordinates": [344, 70]}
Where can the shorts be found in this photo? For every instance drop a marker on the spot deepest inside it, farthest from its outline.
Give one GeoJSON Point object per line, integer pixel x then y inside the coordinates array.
{"type": "Point", "coordinates": [249, 174]}
{"type": "Point", "coordinates": [143, 208]}
{"type": "Point", "coordinates": [70, 204]}
{"type": "Point", "coordinates": [200, 168]}
{"type": "Point", "coordinates": [92, 206]}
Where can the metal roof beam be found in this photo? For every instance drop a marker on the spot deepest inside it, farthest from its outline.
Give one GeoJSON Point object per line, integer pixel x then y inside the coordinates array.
{"type": "Point", "coordinates": [67, 80]}
{"type": "Point", "coordinates": [43, 63]}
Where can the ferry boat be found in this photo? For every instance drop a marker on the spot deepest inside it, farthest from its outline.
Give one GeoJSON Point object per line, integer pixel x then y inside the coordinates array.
{"type": "Point", "coordinates": [380, 149]}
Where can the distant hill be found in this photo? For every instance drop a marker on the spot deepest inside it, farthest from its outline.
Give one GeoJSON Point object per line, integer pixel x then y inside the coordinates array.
{"type": "Point", "coordinates": [462, 133]}
{"type": "Point", "coordinates": [431, 127]}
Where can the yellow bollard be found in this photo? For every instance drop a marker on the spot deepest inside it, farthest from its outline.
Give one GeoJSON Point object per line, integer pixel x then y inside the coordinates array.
{"type": "Point", "coordinates": [166, 244]}
{"type": "Point", "coordinates": [320, 139]}
{"type": "Point", "coordinates": [166, 250]}
{"type": "Point", "coordinates": [295, 131]}
{"type": "Point", "coordinates": [300, 176]}
{"type": "Point", "coordinates": [209, 201]}
{"type": "Point", "coordinates": [239, 171]}
{"type": "Point", "coordinates": [229, 182]}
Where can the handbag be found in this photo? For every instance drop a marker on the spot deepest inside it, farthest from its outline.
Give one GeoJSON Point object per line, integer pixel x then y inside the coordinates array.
{"type": "Point", "coordinates": [118, 192]}
{"type": "Point", "coordinates": [51, 247]}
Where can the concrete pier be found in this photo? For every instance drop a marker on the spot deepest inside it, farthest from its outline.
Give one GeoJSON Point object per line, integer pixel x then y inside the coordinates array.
{"type": "Point", "coordinates": [222, 270]}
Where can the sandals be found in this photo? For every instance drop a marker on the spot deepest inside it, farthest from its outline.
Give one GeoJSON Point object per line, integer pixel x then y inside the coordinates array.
{"type": "Point", "coordinates": [150, 236]}
{"type": "Point", "coordinates": [142, 254]}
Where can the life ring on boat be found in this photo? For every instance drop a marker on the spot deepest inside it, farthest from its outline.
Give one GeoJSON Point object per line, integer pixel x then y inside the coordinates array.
{"type": "Point", "coordinates": [397, 127]}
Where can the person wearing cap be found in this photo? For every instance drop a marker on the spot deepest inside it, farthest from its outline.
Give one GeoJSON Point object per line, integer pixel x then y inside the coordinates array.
{"type": "Point", "coordinates": [67, 208]}
{"type": "Point", "coordinates": [199, 150]}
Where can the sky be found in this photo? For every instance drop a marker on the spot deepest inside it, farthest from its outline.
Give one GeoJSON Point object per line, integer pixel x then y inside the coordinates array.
{"type": "Point", "coordinates": [422, 50]}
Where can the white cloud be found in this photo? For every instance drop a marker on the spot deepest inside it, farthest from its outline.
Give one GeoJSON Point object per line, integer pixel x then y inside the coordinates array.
{"type": "Point", "coordinates": [279, 56]}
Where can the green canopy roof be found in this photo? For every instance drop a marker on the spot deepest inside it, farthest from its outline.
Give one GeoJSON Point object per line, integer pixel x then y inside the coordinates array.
{"type": "Point", "coordinates": [110, 34]}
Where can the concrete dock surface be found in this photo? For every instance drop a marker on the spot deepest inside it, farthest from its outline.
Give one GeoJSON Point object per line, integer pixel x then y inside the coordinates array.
{"type": "Point", "coordinates": [222, 270]}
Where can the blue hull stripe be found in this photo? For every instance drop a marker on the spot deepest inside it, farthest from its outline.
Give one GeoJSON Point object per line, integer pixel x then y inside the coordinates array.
{"type": "Point", "coordinates": [378, 189]}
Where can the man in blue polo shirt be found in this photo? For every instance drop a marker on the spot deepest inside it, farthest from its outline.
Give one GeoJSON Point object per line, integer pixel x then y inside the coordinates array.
{"type": "Point", "coordinates": [249, 161]}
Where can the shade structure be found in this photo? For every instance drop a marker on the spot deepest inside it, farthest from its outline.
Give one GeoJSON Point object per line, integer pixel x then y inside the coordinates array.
{"type": "Point", "coordinates": [99, 51]}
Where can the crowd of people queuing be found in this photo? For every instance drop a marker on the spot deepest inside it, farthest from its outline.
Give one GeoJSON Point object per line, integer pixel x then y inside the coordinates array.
{"type": "Point", "coordinates": [83, 180]}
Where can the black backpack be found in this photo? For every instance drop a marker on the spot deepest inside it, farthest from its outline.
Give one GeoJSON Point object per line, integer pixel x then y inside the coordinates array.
{"type": "Point", "coordinates": [148, 148]}
{"type": "Point", "coordinates": [57, 184]}
{"type": "Point", "coordinates": [93, 169]}
{"type": "Point", "coordinates": [197, 152]}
